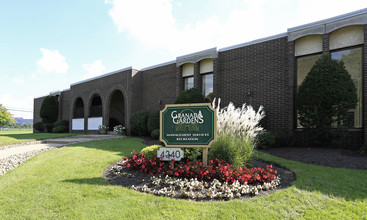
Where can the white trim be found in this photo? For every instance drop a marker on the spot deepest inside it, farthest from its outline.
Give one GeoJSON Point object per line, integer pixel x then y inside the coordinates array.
{"type": "Point", "coordinates": [273, 37]}
{"type": "Point", "coordinates": [211, 50]}
{"type": "Point", "coordinates": [101, 76]}
{"type": "Point", "coordinates": [158, 65]}
{"type": "Point", "coordinates": [329, 20]}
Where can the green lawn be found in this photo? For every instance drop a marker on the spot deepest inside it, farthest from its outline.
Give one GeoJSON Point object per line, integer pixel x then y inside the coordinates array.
{"type": "Point", "coordinates": [66, 183]}
{"type": "Point", "coordinates": [17, 136]}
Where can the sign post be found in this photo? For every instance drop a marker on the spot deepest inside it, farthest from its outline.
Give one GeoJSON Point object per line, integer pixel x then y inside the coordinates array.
{"type": "Point", "coordinates": [189, 125]}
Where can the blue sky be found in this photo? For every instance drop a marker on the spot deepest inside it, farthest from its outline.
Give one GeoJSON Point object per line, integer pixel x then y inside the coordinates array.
{"type": "Point", "coordinates": [47, 45]}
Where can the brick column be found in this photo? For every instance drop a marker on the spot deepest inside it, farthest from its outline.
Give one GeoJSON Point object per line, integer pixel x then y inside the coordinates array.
{"type": "Point", "coordinates": [364, 78]}
{"type": "Point", "coordinates": [179, 80]}
{"type": "Point", "coordinates": [197, 76]}
{"type": "Point", "coordinates": [291, 82]}
{"type": "Point", "coordinates": [325, 44]}
{"type": "Point", "coordinates": [216, 78]}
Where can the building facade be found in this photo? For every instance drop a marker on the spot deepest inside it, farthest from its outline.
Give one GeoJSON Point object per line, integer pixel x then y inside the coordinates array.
{"type": "Point", "coordinates": [263, 72]}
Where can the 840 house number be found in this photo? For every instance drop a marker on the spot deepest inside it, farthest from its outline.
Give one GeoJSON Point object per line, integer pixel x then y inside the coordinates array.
{"type": "Point", "coordinates": [168, 153]}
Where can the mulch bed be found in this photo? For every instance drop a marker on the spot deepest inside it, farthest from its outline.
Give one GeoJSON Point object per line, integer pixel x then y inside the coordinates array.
{"type": "Point", "coordinates": [336, 158]}
{"type": "Point", "coordinates": [330, 157]}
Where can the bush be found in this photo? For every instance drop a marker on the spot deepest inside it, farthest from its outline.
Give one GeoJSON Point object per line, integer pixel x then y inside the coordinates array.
{"type": "Point", "coordinates": [153, 121]}
{"type": "Point", "coordinates": [139, 122]}
{"type": "Point", "coordinates": [49, 110]}
{"type": "Point", "coordinates": [39, 126]}
{"type": "Point", "coordinates": [324, 99]}
{"type": "Point", "coordinates": [236, 131]}
{"type": "Point", "coordinates": [236, 151]}
{"type": "Point", "coordinates": [193, 153]}
{"type": "Point", "coordinates": [151, 151]}
{"type": "Point", "coordinates": [265, 140]}
{"type": "Point", "coordinates": [190, 96]}
{"type": "Point", "coordinates": [49, 127]}
{"type": "Point", "coordinates": [59, 129]}
{"type": "Point", "coordinates": [61, 122]}
{"type": "Point", "coordinates": [155, 134]}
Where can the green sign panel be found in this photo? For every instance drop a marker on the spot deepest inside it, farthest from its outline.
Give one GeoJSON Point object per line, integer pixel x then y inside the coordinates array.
{"type": "Point", "coordinates": [188, 125]}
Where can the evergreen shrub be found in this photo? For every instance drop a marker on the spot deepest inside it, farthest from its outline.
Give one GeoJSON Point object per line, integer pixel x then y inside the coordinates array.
{"type": "Point", "coordinates": [139, 123]}
{"type": "Point", "coordinates": [155, 134]}
{"type": "Point", "coordinates": [49, 110]}
{"type": "Point", "coordinates": [190, 96]}
{"type": "Point", "coordinates": [59, 129]}
{"type": "Point", "coordinates": [265, 140]}
{"type": "Point", "coordinates": [153, 121]}
{"type": "Point", "coordinates": [39, 126]}
{"type": "Point", "coordinates": [324, 99]}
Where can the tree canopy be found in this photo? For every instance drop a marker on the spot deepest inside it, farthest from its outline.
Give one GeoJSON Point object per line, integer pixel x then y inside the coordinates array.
{"type": "Point", "coordinates": [326, 95]}
{"type": "Point", "coordinates": [5, 117]}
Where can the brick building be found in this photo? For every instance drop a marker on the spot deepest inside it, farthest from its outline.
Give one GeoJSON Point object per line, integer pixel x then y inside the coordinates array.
{"type": "Point", "coordinates": [264, 72]}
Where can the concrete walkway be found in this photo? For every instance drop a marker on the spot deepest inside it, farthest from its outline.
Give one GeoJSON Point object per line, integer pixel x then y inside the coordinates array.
{"type": "Point", "coordinates": [51, 143]}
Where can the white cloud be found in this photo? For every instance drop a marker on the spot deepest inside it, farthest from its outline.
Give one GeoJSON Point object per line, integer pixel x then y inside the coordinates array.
{"type": "Point", "coordinates": [94, 69]}
{"type": "Point", "coordinates": [24, 105]}
{"type": "Point", "coordinates": [156, 26]}
{"type": "Point", "coordinates": [19, 80]}
{"type": "Point", "coordinates": [52, 62]}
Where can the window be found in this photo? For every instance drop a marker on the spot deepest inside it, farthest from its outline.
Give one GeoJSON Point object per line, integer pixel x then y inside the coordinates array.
{"type": "Point", "coordinates": [207, 86]}
{"type": "Point", "coordinates": [304, 65]}
{"type": "Point", "coordinates": [352, 59]}
{"type": "Point", "coordinates": [189, 82]}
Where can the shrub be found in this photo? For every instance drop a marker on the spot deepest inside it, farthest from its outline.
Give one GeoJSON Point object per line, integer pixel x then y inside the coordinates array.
{"type": "Point", "coordinates": [153, 121]}
{"type": "Point", "coordinates": [61, 122]}
{"type": "Point", "coordinates": [49, 110]}
{"type": "Point", "coordinates": [49, 127]}
{"type": "Point", "coordinates": [139, 121]}
{"type": "Point", "coordinates": [39, 126]}
{"type": "Point", "coordinates": [193, 154]}
{"type": "Point", "coordinates": [155, 134]}
{"type": "Point", "coordinates": [265, 140]}
{"type": "Point", "coordinates": [237, 151]}
{"type": "Point", "coordinates": [325, 97]}
{"type": "Point", "coordinates": [236, 132]}
{"type": "Point", "coordinates": [151, 151]}
{"type": "Point", "coordinates": [190, 96]}
{"type": "Point", "coordinates": [59, 129]}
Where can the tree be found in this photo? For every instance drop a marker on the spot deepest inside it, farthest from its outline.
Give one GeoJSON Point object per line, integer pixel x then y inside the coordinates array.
{"type": "Point", "coordinates": [49, 110]}
{"type": "Point", "coordinates": [325, 96]}
{"type": "Point", "coordinates": [5, 117]}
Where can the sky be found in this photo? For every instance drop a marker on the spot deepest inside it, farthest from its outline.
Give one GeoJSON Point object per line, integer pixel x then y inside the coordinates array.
{"type": "Point", "coordinates": [47, 45]}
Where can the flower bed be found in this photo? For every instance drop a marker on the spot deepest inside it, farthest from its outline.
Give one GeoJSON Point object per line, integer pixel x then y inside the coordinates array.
{"type": "Point", "coordinates": [194, 180]}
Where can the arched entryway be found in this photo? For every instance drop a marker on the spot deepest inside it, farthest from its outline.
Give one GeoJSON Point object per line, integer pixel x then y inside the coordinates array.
{"type": "Point", "coordinates": [95, 113]}
{"type": "Point", "coordinates": [78, 115]}
{"type": "Point", "coordinates": [95, 107]}
{"type": "Point", "coordinates": [116, 109]}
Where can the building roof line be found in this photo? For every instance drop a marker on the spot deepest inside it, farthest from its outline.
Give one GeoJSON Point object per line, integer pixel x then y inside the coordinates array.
{"type": "Point", "coordinates": [103, 75]}
{"type": "Point", "coordinates": [328, 20]}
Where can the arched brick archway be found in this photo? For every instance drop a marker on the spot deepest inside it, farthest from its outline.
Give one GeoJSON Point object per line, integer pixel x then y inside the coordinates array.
{"type": "Point", "coordinates": [116, 109]}
{"type": "Point", "coordinates": [95, 107]}
{"type": "Point", "coordinates": [77, 122]}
